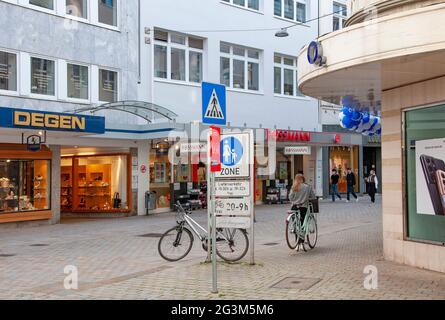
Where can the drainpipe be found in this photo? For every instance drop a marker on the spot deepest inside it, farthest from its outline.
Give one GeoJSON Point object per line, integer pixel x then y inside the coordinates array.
{"type": "Point", "coordinates": [139, 42]}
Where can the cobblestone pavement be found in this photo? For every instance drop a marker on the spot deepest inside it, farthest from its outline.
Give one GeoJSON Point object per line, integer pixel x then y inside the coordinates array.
{"type": "Point", "coordinates": [115, 262]}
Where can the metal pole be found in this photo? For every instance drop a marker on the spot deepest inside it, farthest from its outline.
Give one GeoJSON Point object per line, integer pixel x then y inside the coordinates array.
{"type": "Point", "coordinates": [252, 198]}
{"type": "Point", "coordinates": [214, 271]}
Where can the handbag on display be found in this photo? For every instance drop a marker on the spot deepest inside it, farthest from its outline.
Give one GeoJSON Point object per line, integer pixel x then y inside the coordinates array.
{"type": "Point", "coordinates": [116, 200]}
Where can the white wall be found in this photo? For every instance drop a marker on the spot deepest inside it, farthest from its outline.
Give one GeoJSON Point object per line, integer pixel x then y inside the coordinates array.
{"type": "Point", "coordinates": [193, 17]}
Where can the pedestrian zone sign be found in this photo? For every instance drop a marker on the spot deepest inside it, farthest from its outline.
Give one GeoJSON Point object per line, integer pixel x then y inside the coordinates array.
{"type": "Point", "coordinates": [214, 104]}
{"type": "Point", "coordinates": [235, 151]}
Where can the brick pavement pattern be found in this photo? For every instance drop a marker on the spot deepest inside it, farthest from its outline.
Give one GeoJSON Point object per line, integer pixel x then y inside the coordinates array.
{"type": "Point", "coordinates": [115, 262]}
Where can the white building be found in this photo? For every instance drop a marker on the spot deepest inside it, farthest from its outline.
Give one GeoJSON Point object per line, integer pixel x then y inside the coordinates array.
{"type": "Point", "coordinates": [144, 61]}
{"type": "Point", "coordinates": [230, 42]}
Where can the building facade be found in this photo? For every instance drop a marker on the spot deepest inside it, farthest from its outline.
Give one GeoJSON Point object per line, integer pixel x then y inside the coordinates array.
{"type": "Point", "coordinates": [388, 68]}
{"type": "Point", "coordinates": [106, 87]}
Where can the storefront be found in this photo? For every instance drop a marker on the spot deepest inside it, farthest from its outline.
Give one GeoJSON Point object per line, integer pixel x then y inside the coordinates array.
{"type": "Point", "coordinates": [25, 183]}
{"type": "Point", "coordinates": [29, 168]}
{"type": "Point", "coordinates": [99, 183]}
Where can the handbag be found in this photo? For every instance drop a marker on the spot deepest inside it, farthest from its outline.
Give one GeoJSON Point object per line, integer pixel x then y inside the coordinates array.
{"type": "Point", "coordinates": [116, 201]}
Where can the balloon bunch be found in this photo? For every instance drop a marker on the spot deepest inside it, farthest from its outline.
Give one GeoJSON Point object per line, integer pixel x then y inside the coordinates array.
{"type": "Point", "coordinates": [361, 122]}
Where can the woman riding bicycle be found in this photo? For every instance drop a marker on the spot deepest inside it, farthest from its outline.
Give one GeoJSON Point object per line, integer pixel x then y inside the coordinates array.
{"type": "Point", "coordinates": [300, 194]}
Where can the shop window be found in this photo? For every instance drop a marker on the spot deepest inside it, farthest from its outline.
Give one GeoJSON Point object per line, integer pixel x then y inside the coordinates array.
{"type": "Point", "coordinates": [342, 158]}
{"type": "Point", "coordinates": [77, 77]}
{"type": "Point", "coordinates": [77, 8]}
{"type": "Point", "coordinates": [424, 157]}
{"type": "Point", "coordinates": [161, 174]}
{"type": "Point", "coordinates": [43, 76]}
{"type": "Point", "coordinates": [108, 85]}
{"type": "Point", "coordinates": [47, 4]}
{"type": "Point", "coordinates": [95, 183]}
{"type": "Point", "coordinates": [8, 71]}
{"type": "Point", "coordinates": [24, 185]}
{"type": "Point", "coordinates": [108, 12]}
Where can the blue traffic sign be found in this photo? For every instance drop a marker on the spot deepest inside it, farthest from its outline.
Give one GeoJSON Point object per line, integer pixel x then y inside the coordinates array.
{"type": "Point", "coordinates": [214, 104]}
{"type": "Point", "coordinates": [231, 151]}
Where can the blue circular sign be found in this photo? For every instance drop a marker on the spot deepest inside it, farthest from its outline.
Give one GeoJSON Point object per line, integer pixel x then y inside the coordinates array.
{"type": "Point", "coordinates": [231, 151]}
{"type": "Point", "coordinates": [312, 52]}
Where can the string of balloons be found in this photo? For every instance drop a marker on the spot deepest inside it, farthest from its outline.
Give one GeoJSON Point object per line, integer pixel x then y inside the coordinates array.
{"type": "Point", "coordinates": [360, 122]}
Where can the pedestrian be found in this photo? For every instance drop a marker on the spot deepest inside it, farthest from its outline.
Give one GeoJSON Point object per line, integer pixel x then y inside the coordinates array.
{"type": "Point", "coordinates": [350, 182]}
{"type": "Point", "coordinates": [373, 183]}
{"type": "Point", "coordinates": [334, 184]}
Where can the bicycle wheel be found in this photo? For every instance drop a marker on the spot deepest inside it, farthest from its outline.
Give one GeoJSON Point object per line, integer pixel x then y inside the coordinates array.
{"type": "Point", "coordinates": [231, 244]}
{"type": "Point", "coordinates": [175, 244]}
{"type": "Point", "coordinates": [312, 232]}
{"type": "Point", "coordinates": [291, 232]}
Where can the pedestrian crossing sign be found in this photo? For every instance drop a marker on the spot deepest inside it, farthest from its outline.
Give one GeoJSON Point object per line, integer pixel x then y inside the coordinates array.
{"type": "Point", "coordinates": [214, 104]}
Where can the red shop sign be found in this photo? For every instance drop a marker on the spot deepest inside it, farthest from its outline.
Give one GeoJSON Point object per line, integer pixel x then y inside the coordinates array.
{"type": "Point", "coordinates": [295, 136]}
{"type": "Point", "coordinates": [215, 149]}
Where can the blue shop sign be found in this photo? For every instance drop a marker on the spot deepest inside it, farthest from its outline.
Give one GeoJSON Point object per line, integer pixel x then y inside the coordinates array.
{"type": "Point", "coordinates": [50, 121]}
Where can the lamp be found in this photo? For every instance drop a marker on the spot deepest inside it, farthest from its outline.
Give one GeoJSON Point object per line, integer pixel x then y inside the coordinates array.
{"type": "Point", "coordinates": [282, 33]}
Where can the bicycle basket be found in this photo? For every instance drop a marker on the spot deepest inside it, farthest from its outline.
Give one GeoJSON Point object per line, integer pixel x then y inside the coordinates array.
{"type": "Point", "coordinates": [315, 207]}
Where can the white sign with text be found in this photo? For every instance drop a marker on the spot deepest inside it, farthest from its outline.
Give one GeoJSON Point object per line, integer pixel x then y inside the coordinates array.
{"type": "Point", "coordinates": [232, 188]}
{"type": "Point", "coordinates": [233, 207]}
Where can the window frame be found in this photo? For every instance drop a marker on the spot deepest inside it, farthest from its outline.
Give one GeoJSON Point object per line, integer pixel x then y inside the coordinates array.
{"type": "Point", "coordinates": [246, 5]}
{"type": "Point", "coordinates": [296, 92]}
{"type": "Point", "coordinates": [295, 11]}
{"type": "Point", "coordinates": [246, 59]}
{"type": "Point", "coordinates": [118, 17]}
{"type": "Point", "coordinates": [118, 87]}
{"type": "Point", "coordinates": [341, 18]}
{"type": "Point", "coordinates": [18, 73]}
{"type": "Point", "coordinates": [56, 78]}
{"type": "Point", "coordinates": [82, 19]}
{"type": "Point", "coordinates": [78, 100]}
{"type": "Point", "coordinates": [169, 45]}
{"type": "Point", "coordinates": [39, 8]}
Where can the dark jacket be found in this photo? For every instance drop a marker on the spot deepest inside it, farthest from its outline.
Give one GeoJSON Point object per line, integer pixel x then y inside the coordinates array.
{"type": "Point", "coordinates": [350, 179]}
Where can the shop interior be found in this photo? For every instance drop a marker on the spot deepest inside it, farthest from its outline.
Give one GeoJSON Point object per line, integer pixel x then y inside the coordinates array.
{"type": "Point", "coordinates": [341, 158]}
{"type": "Point", "coordinates": [95, 180]}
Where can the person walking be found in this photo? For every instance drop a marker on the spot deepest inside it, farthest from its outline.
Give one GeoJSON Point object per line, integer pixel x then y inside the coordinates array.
{"type": "Point", "coordinates": [334, 183]}
{"type": "Point", "coordinates": [373, 183]}
{"type": "Point", "coordinates": [350, 182]}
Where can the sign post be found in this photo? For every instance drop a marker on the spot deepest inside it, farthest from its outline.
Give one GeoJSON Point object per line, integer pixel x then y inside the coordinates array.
{"type": "Point", "coordinates": [215, 166]}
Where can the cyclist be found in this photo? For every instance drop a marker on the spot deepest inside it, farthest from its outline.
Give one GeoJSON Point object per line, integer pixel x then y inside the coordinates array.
{"type": "Point", "coordinates": [299, 196]}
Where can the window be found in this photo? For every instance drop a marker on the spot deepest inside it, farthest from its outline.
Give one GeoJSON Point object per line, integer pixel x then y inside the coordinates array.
{"type": "Point", "coordinates": [251, 4]}
{"type": "Point", "coordinates": [160, 64]}
{"type": "Point", "coordinates": [108, 85]}
{"type": "Point", "coordinates": [178, 57]}
{"type": "Point", "coordinates": [77, 8]}
{"type": "Point", "coordinates": [108, 12]}
{"type": "Point", "coordinates": [43, 76]}
{"type": "Point", "coordinates": [47, 4]}
{"type": "Point", "coordinates": [239, 67]}
{"type": "Point", "coordinates": [25, 185]}
{"type": "Point", "coordinates": [8, 71]}
{"type": "Point", "coordinates": [77, 77]}
{"type": "Point", "coordinates": [285, 76]}
{"type": "Point", "coordinates": [339, 17]}
{"type": "Point", "coordinates": [291, 9]}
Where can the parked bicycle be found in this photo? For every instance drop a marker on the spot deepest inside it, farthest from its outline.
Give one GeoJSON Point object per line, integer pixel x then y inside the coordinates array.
{"type": "Point", "coordinates": [297, 233]}
{"type": "Point", "coordinates": [176, 243]}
